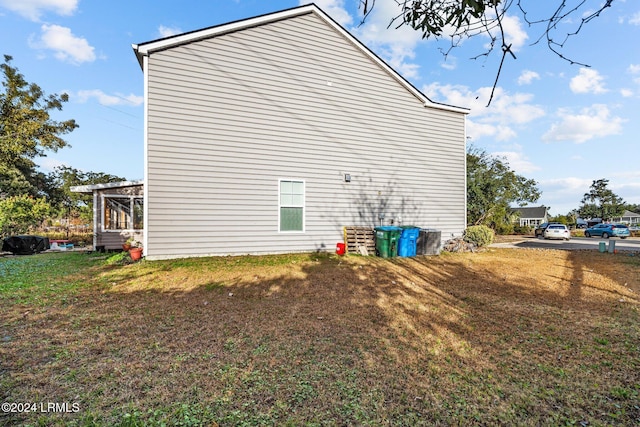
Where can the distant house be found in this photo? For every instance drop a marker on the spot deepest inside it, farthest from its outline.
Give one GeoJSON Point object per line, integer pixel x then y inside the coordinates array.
{"type": "Point", "coordinates": [628, 217]}
{"type": "Point", "coordinates": [268, 135]}
{"type": "Point", "coordinates": [117, 212]}
{"type": "Point", "coordinates": [593, 221]}
{"type": "Point", "coordinates": [531, 216]}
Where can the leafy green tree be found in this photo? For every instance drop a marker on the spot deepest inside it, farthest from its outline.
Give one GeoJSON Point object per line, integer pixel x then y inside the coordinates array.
{"type": "Point", "coordinates": [492, 187]}
{"type": "Point", "coordinates": [73, 205]}
{"type": "Point", "coordinates": [14, 177]}
{"type": "Point", "coordinates": [27, 130]}
{"type": "Point", "coordinates": [633, 208]}
{"type": "Point", "coordinates": [19, 213]}
{"type": "Point", "coordinates": [601, 202]}
{"type": "Point", "coordinates": [562, 219]}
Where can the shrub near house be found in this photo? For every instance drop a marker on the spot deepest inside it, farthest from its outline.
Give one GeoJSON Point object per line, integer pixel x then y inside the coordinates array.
{"type": "Point", "coordinates": [479, 235]}
{"type": "Point", "coordinates": [19, 213]}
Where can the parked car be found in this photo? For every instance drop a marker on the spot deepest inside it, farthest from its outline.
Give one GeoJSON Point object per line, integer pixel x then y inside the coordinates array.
{"type": "Point", "coordinates": [557, 231]}
{"type": "Point", "coordinates": [608, 230]}
{"type": "Point", "coordinates": [539, 230]}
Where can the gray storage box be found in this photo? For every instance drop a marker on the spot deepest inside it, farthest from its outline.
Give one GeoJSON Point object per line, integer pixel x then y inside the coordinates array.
{"type": "Point", "coordinates": [429, 242]}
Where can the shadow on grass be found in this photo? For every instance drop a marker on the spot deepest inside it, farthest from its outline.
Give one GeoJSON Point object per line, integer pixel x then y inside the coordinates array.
{"type": "Point", "coordinates": [456, 339]}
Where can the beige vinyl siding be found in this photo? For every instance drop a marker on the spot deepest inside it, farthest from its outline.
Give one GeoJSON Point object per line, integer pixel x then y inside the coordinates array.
{"type": "Point", "coordinates": [230, 116]}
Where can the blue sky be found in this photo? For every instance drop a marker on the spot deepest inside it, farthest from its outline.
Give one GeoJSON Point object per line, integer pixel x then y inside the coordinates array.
{"type": "Point", "coordinates": [560, 124]}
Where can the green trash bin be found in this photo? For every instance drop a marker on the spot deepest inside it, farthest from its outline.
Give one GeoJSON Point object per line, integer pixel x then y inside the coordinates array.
{"type": "Point", "coordinates": [387, 241]}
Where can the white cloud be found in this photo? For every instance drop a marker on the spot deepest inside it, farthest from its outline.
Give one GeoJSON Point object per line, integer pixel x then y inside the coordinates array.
{"type": "Point", "coordinates": [477, 130]}
{"type": "Point", "coordinates": [634, 69]}
{"type": "Point", "coordinates": [109, 100]}
{"type": "Point", "coordinates": [33, 9]}
{"type": "Point", "coordinates": [333, 8]}
{"type": "Point", "coordinates": [625, 184]}
{"type": "Point", "coordinates": [517, 161]}
{"type": "Point", "coordinates": [514, 34]}
{"type": "Point", "coordinates": [48, 164]}
{"type": "Point", "coordinates": [168, 31]}
{"type": "Point", "coordinates": [567, 186]}
{"type": "Point", "coordinates": [496, 121]}
{"type": "Point", "coordinates": [626, 93]}
{"type": "Point", "coordinates": [449, 63]}
{"type": "Point", "coordinates": [65, 45]}
{"type": "Point", "coordinates": [635, 19]}
{"type": "Point", "coordinates": [395, 45]}
{"type": "Point", "coordinates": [628, 178]}
{"type": "Point", "coordinates": [592, 122]}
{"type": "Point", "coordinates": [587, 81]}
{"type": "Point", "coordinates": [528, 76]}
{"type": "Point", "coordinates": [563, 194]}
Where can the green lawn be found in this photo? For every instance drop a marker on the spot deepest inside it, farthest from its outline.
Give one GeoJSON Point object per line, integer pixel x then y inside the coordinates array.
{"type": "Point", "coordinates": [501, 337]}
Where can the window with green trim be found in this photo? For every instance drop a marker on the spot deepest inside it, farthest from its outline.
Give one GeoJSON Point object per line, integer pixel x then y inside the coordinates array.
{"type": "Point", "coordinates": [291, 205]}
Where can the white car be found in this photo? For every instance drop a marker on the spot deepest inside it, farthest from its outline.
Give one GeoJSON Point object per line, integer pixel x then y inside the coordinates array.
{"type": "Point", "coordinates": [557, 231]}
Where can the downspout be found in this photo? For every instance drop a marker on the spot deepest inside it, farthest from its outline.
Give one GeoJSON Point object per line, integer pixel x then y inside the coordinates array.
{"type": "Point", "coordinates": [145, 209]}
{"type": "Point", "coordinates": [95, 220]}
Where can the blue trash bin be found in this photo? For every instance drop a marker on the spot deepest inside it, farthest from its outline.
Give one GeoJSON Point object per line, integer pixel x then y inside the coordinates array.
{"type": "Point", "coordinates": [407, 245]}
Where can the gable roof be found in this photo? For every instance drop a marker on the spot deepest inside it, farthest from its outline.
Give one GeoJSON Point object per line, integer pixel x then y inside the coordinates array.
{"type": "Point", "coordinates": [91, 187]}
{"type": "Point", "coordinates": [531, 212]}
{"type": "Point", "coordinates": [629, 214]}
{"type": "Point", "coordinates": [145, 49]}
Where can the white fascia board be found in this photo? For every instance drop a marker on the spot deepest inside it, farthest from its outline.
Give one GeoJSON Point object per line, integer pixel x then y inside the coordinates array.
{"type": "Point", "coordinates": [144, 49]}
{"type": "Point", "coordinates": [90, 188]}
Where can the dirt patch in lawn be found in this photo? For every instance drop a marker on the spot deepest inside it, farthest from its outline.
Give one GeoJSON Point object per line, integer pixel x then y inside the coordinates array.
{"type": "Point", "coordinates": [499, 238]}
{"type": "Point", "coordinates": [524, 337]}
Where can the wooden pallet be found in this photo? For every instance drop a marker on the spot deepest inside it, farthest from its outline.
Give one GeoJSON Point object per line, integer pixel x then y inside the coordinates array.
{"type": "Point", "coordinates": [359, 240]}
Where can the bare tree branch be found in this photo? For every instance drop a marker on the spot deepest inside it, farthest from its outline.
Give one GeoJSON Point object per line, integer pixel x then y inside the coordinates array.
{"type": "Point", "coordinates": [459, 20]}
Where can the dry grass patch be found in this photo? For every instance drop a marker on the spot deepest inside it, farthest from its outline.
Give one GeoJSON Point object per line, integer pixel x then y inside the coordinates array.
{"type": "Point", "coordinates": [525, 337]}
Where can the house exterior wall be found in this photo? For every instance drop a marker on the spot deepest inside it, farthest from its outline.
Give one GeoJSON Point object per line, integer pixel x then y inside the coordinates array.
{"type": "Point", "coordinates": [531, 216]}
{"type": "Point", "coordinates": [112, 239]}
{"type": "Point", "coordinates": [628, 217]}
{"type": "Point", "coordinates": [230, 116]}
{"type": "Point", "coordinates": [531, 222]}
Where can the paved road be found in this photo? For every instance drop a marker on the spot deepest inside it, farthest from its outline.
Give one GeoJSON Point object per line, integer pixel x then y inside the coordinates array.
{"type": "Point", "coordinates": [629, 244]}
